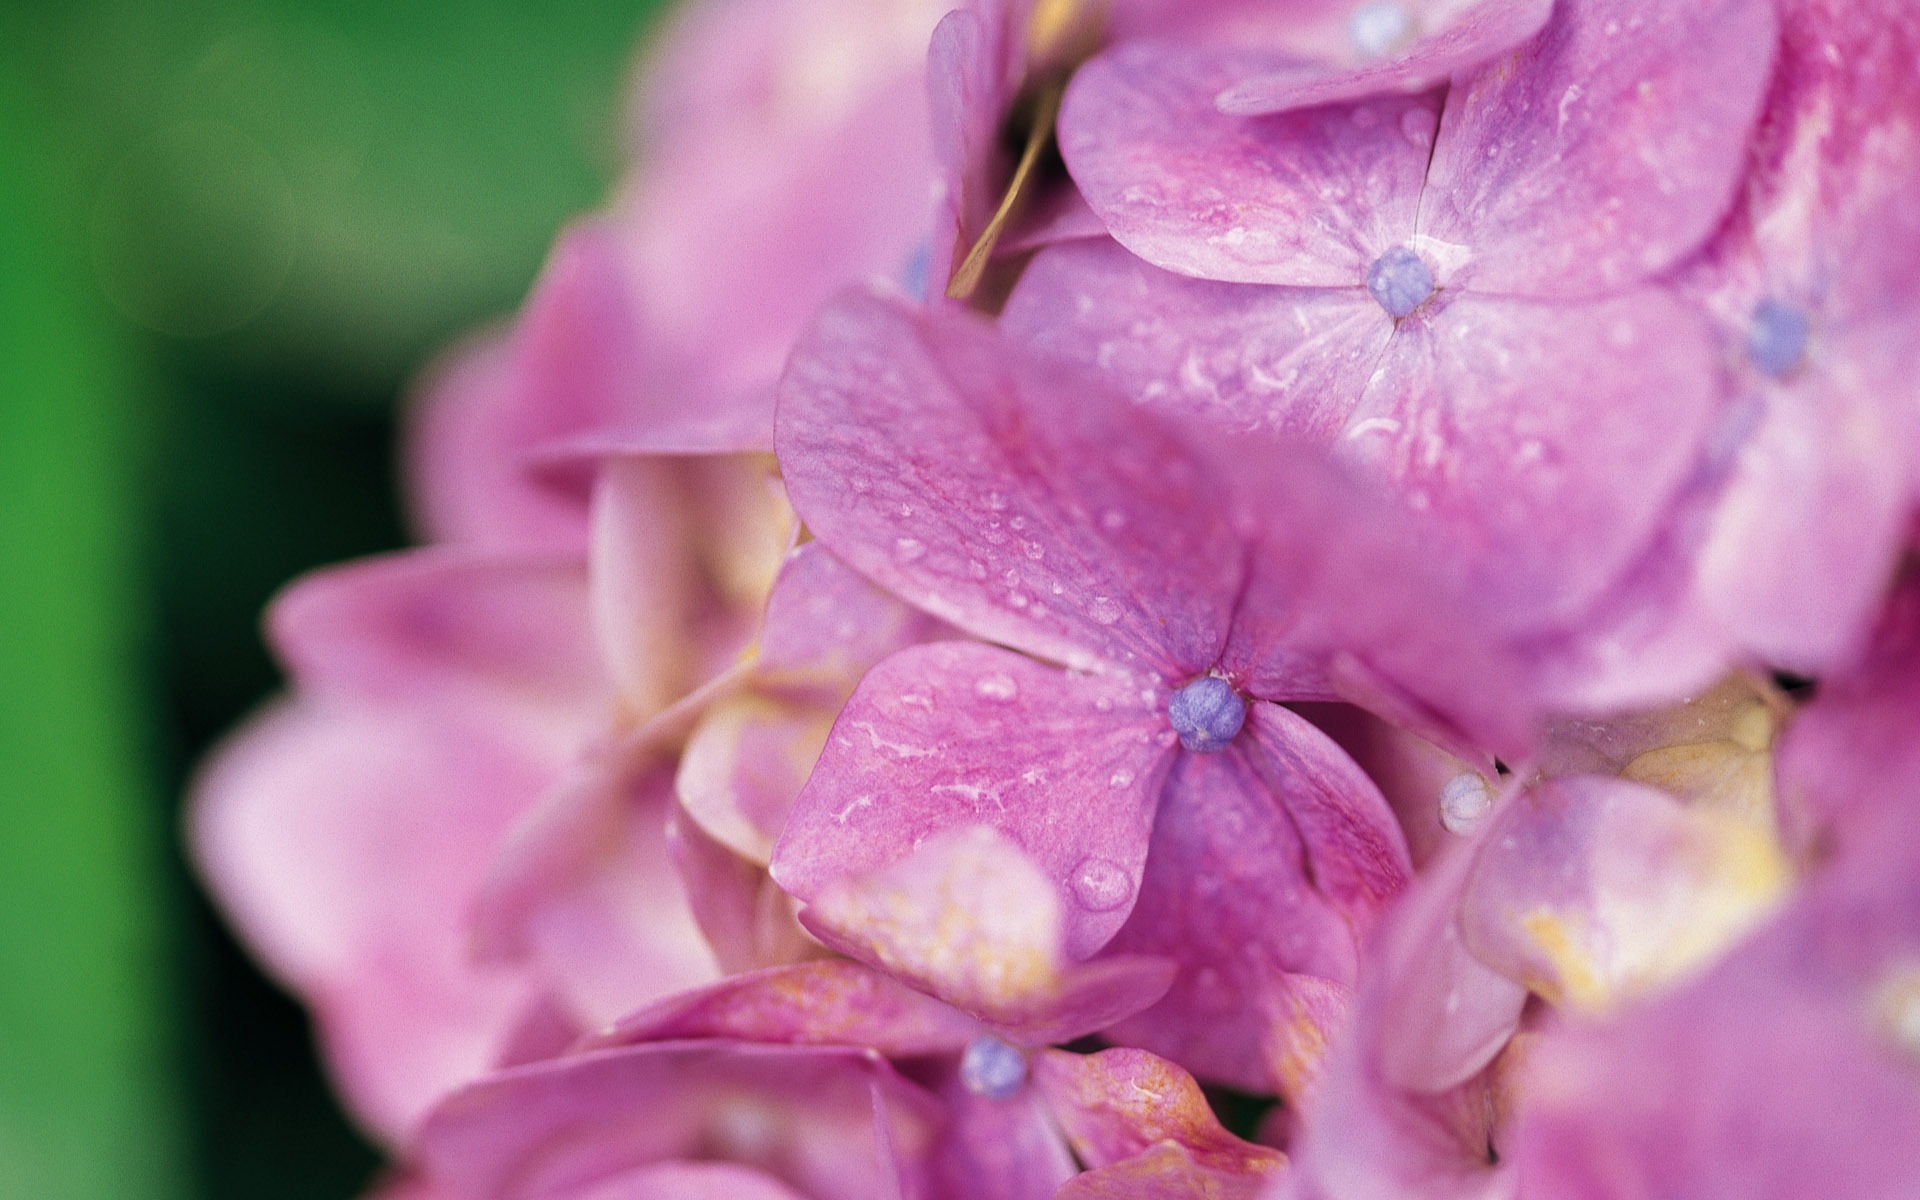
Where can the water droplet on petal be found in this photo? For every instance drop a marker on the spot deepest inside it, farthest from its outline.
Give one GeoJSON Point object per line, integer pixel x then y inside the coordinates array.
{"type": "Point", "coordinates": [1400, 280]}
{"type": "Point", "coordinates": [906, 550]}
{"type": "Point", "coordinates": [1207, 713]}
{"type": "Point", "coordinates": [1464, 802]}
{"type": "Point", "coordinates": [1380, 28]}
{"type": "Point", "coordinates": [992, 1069]}
{"type": "Point", "coordinates": [1120, 778]}
{"type": "Point", "coordinates": [1104, 610]}
{"type": "Point", "coordinates": [1101, 885]}
{"type": "Point", "coordinates": [997, 687]}
{"type": "Point", "coordinates": [1777, 337]}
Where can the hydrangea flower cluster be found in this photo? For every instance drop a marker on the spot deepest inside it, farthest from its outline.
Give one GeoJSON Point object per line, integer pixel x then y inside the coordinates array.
{"type": "Point", "coordinates": [1291, 599]}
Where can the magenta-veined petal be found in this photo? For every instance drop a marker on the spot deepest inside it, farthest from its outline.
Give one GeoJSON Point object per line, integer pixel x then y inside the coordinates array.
{"type": "Point", "coordinates": [1605, 150]}
{"type": "Point", "coordinates": [1293, 360]}
{"type": "Point", "coordinates": [1447, 39]}
{"type": "Point", "coordinates": [829, 1002]}
{"type": "Point", "coordinates": [826, 624]}
{"type": "Point", "coordinates": [1228, 895]}
{"type": "Point", "coordinates": [1354, 851]}
{"type": "Point", "coordinates": [1306, 198]}
{"type": "Point", "coordinates": [952, 735]}
{"type": "Point", "coordinates": [1022, 501]}
{"type": "Point", "coordinates": [1513, 424]}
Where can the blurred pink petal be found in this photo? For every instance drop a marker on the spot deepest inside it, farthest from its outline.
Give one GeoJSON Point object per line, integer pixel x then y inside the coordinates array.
{"type": "Point", "coordinates": [1395, 47]}
{"type": "Point", "coordinates": [828, 1123]}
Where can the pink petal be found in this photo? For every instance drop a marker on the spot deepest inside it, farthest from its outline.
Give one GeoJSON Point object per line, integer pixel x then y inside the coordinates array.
{"type": "Point", "coordinates": [689, 1181]}
{"type": "Point", "coordinates": [969, 918]}
{"type": "Point", "coordinates": [1605, 151]}
{"type": "Point", "coordinates": [1405, 1108]}
{"type": "Point", "coordinates": [1824, 226]}
{"type": "Point", "coordinates": [1783, 1073]}
{"type": "Point", "coordinates": [829, 1002]}
{"type": "Point", "coordinates": [954, 735]}
{"type": "Point", "coordinates": [1437, 1014]}
{"type": "Point", "coordinates": [429, 625]}
{"type": "Point", "coordinates": [826, 625]}
{"type": "Point", "coordinates": [601, 378]}
{"type": "Point", "coordinates": [1121, 1106]}
{"type": "Point", "coordinates": [1307, 198]}
{"type": "Point", "coordinates": [748, 922]}
{"type": "Point", "coordinates": [1514, 424]}
{"type": "Point", "coordinates": [745, 764]}
{"type": "Point", "coordinates": [833, 1124]}
{"type": "Point", "coordinates": [586, 889]}
{"type": "Point", "coordinates": [684, 553]}
{"type": "Point", "coordinates": [1295, 360]}
{"type": "Point", "coordinates": [1230, 892]}
{"type": "Point", "coordinates": [1461, 42]}
{"type": "Point", "coordinates": [1591, 889]}
{"type": "Point", "coordinates": [1007, 1149]}
{"type": "Point", "coordinates": [469, 437]}
{"type": "Point", "coordinates": [788, 156]}
{"type": "Point", "coordinates": [347, 845]}
{"type": "Point", "coordinates": [1355, 853]}
{"type": "Point", "coordinates": [970, 83]}
{"type": "Point", "coordinates": [1849, 765]}
{"type": "Point", "coordinates": [1019, 501]}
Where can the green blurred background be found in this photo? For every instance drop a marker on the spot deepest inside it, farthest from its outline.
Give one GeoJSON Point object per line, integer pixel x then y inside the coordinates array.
{"type": "Point", "coordinates": [230, 232]}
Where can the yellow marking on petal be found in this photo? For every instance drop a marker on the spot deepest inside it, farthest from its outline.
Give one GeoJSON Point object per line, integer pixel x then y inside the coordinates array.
{"type": "Point", "coordinates": [1578, 981]}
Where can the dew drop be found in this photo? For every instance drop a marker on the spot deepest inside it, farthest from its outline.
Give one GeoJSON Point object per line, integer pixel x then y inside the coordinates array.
{"type": "Point", "coordinates": [1207, 713]}
{"type": "Point", "coordinates": [1400, 280]}
{"type": "Point", "coordinates": [1101, 885]}
{"type": "Point", "coordinates": [1120, 778]}
{"type": "Point", "coordinates": [992, 1069]}
{"type": "Point", "coordinates": [1105, 610]}
{"type": "Point", "coordinates": [1777, 337]}
{"type": "Point", "coordinates": [997, 687]}
{"type": "Point", "coordinates": [1379, 29]}
{"type": "Point", "coordinates": [906, 550]}
{"type": "Point", "coordinates": [1465, 801]}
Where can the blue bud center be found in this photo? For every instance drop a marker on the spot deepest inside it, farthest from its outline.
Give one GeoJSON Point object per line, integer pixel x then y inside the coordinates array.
{"type": "Point", "coordinates": [1206, 714]}
{"type": "Point", "coordinates": [991, 1068]}
{"type": "Point", "coordinates": [1400, 280]}
{"type": "Point", "coordinates": [1777, 337]}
